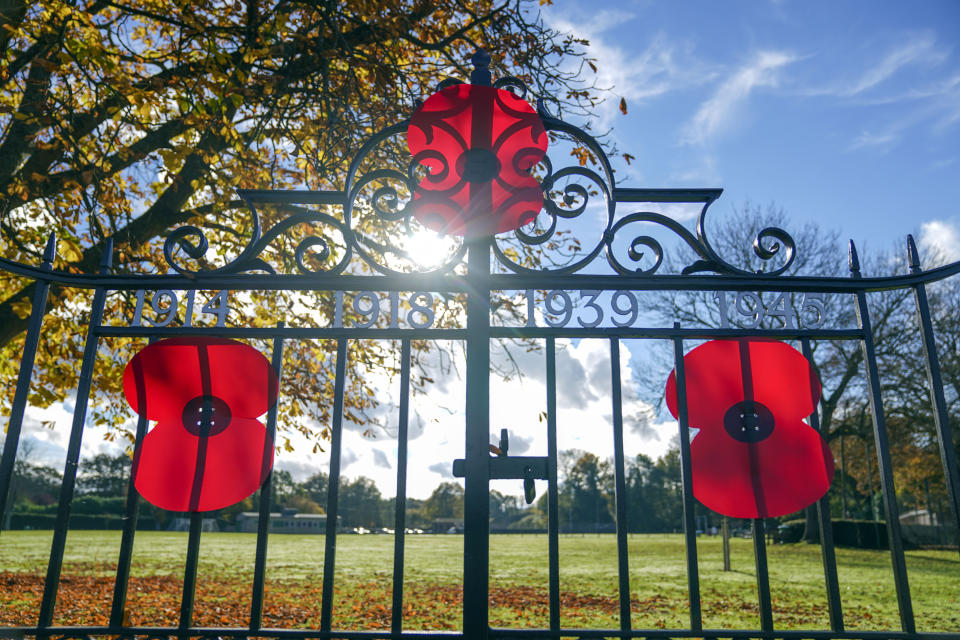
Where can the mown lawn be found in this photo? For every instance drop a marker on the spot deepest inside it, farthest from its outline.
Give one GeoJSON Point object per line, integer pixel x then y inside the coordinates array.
{"type": "Point", "coordinates": [432, 591]}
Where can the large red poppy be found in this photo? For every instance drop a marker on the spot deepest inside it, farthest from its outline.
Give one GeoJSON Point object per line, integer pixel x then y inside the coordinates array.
{"type": "Point", "coordinates": [479, 144]}
{"type": "Point", "coordinates": [753, 457]}
{"type": "Point", "coordinates": [208, 450]}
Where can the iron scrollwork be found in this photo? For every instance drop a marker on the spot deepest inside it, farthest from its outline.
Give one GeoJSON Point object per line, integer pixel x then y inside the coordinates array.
{"type": "Point", "coordinates": [381, 227]}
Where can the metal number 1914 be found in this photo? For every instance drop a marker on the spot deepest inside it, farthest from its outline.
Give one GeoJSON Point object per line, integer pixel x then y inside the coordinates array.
{"type": "Point", "coordinates": [164, 303]}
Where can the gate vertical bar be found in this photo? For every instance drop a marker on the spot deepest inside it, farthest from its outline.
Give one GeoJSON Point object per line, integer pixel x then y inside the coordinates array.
{"type": "Point", "coordinates": [883, 454]}
{"type": "Point", "coordinates": [476, 524]}
{"type": "Point", "coordinates": [553, 489]}
{"type": "Point", "coordinates": [333, 487]}
{"type": "Point", "coordinates": [763, 577]}
{"type": "Point", "coordinates": [759, 529]}
{"type": "Point", "coordinates": [400, 515]}
{"type": "Point", "coordinates": [620, 485]}
{"type": "Point", "coordinates": [188, 598]}
{"type": "Point", "coordinates": [941, 416]}
{"type": "Point", "coordinates": [476, 521]}
{"type": "Point", "coordinates": [686, 475]}
{"type": "Point", "coordinates": [52, 581]}
{"type": "Point", "coordinates": [131, 515]}
{"type": "Point", "coordinates": [19, 405]}
{"type": "Point", "coordinates": [266, 495]}
{"type": "Point", "coordinates": [826, 529]}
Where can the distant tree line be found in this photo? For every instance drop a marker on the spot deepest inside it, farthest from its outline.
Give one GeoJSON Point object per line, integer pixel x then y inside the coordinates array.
{"type": "Point", "coordinates": [586, 497]}
{"type": "Point", "coordinates": [586, 503]}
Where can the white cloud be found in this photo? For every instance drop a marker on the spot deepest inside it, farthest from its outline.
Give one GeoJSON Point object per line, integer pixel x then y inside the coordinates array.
{"type": "Point", "coordinates": [718, 111]}
{"type": "Point", "coordinates": [583, 420]}
{"type": "Point", "coordinates": [932, 103]}
{"type": "Point", "coordinates": [919, 49]}
{"type": "Point", "coordinates": [633, 73]}
{"type": "Point", "coordinates": [436, 430]}
{"type": "Point", "coordinates": [882, 141]}
{"type": "Point", "coordinates": [940, 241]}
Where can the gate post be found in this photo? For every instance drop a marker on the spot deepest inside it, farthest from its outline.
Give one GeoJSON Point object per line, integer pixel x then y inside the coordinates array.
{"type": "Point", "coordinates": [476, 516]}
{"type": "Point", "coordinates": [476, 499]}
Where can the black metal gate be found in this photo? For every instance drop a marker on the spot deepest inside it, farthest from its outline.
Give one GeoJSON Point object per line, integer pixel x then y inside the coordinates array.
{"type": "Point", "coordinates": [478, 270]}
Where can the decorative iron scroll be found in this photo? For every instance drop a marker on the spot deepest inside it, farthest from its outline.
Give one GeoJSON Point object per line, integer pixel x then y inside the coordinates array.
{"type": "Point", "coordinates": [385, 182]}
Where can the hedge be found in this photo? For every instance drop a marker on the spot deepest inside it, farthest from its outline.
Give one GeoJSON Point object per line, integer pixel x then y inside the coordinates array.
{"type": "Point", "coordinates": [862, 534]}
{"type": "Point", "coordinates": [77, 521]}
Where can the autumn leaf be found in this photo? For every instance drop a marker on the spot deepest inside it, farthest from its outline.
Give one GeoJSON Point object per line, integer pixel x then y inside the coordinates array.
{"type": "Point", "coordinates": [125, 126]}
{"type": "Point", "coordinates": [623, 106]}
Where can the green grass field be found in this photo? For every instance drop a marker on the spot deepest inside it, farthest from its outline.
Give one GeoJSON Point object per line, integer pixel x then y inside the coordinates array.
{"type": "Point", "coordinates": [518, 582]}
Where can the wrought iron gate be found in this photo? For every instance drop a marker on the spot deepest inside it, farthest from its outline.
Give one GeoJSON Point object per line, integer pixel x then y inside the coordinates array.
{"type": "Point", "coordinates": [480, 268]}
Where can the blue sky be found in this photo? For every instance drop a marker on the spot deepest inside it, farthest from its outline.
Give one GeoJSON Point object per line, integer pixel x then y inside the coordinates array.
{"type": "Point", "coordinates": [843, 113]}
{"type": "Point", "coordinates": [846, 114]}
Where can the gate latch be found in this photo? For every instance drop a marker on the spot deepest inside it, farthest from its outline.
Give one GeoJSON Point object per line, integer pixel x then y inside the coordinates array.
{"type": "Point", "coordinates": [505, 467]}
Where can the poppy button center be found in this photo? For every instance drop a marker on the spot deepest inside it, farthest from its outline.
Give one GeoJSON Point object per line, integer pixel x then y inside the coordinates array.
{"type": "Point", "coordinates": [748, 421]}
{"type": "Point", "coordinates": [206, 416]}
{"type": "Point", "coordinates": [479, 165]}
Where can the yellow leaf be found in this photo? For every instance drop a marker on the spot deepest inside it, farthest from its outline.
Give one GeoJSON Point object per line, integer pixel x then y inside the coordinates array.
{"type": "Point", "coordinates": [71, 251]}
{"type": "Point", "coordinates": [21, 308]}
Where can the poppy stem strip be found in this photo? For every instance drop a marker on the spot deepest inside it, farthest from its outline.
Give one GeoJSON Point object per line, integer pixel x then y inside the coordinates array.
{"type": "Point", "coordinates": [686, 475]}
{"type": "Point", "coordinates": [620, 486]}
{"type": "Point", "coordinates": [400, 515]}
{"type": "Point", "coordinates": [52, 582]}
{"type": "Point", "coordinates": [826, 528]}
{"type": "Point", "coordinates": [266, 493]}
{"type": "Point", "coordinates": [553, 490]}
{"type": "Point", "coordinates": [333, 487]}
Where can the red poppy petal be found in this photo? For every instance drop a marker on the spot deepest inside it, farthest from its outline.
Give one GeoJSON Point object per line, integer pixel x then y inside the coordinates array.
{"type": "Point", "coordinates": [450, 214]}
{"type": "Point", "coordinates": [160, 379]}
{"type": "Point", "coordinates": [479, 144]}
{"type": "Point", "coordinates": [235, 464]}
{"type": "Point", "coordinates": [712, 374]}
{"type": "Point", "coordinates": [777, 476]}
{"type": "Point", "coordinates": [243, 378]}
{"type": "Point", "coordinates": [782, 379]}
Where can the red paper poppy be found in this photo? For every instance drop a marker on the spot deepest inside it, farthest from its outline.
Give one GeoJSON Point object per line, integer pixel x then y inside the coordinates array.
{"type": "Point", "coordinates": [479, 144]}
{"type": "Point", "coordinates": [753, 457]}
{"type": "Point", "coordinates": [208, 450]}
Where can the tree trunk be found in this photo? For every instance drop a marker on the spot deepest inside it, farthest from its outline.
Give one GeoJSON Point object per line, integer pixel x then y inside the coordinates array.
{"type": "Point", "coordinates": [811, 530]}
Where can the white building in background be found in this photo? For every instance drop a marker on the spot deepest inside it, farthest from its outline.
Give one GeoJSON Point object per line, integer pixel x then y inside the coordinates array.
{"type": "Point", "coordinates": [287, 521]}
{"type": "Point", "coordinates": [183, 524]}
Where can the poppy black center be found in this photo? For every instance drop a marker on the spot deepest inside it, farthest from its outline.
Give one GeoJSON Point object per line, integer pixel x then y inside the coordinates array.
{"type": "Point", "coordinates": [748, 421]}
{"type": "Point", "coordinates": [479, 165]}
{"type": "Point", "coordinates": [206, 416]}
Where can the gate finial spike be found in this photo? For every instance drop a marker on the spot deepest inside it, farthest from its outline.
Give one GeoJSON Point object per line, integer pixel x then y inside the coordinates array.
{"type": "Point", "coordinates": [854, 260]}
{"type": "Point", "coordinates": [50, 251]}
{"type": "Point", "coordinates": [106, 258]}
{"type": "Point", "coordinates": [481, 68]}
{"type": "Point", "coordinates": [913, 257]}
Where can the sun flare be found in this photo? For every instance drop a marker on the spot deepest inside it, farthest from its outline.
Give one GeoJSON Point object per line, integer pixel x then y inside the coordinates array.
{"type": "Point", "coordinates": [428, 248]}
